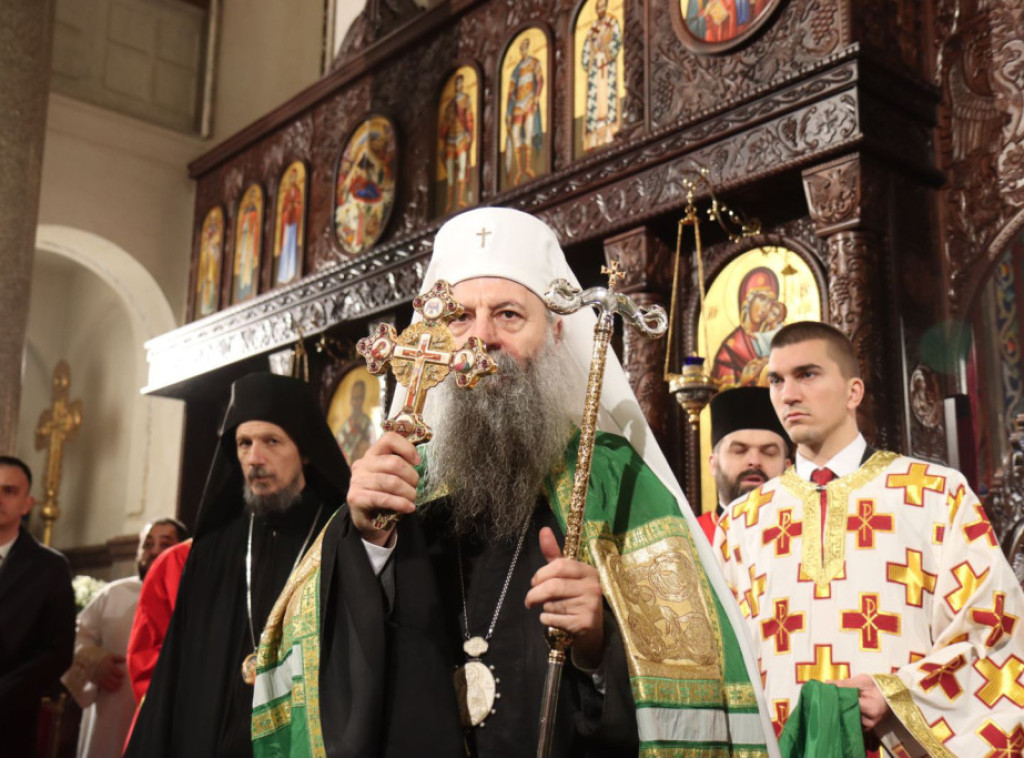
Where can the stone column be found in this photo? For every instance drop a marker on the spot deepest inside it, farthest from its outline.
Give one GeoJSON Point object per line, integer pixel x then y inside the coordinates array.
{"type": "Point", "coordinates": [847, 202]}
{"type": "Point", "coordinates": [647, 264]}
{"type": "Point", "coordinates": [26, 45]}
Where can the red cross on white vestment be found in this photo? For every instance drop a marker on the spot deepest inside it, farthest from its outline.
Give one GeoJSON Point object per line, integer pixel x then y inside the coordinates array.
{"type": "Point", "coordinates": [783, 532]}
{"type": "Point", "coordinates": [943, 675]}
{"type": "Point", "coordinates": [870, 622]}
{"type": "Point", "coordinates": [1000, 623]}
{"type": "Point", "coordinates": [1003, 744]}
{"type": "Point", "coordinates": [781, 715]}
{"type": "Point", "coordinates": [782, 625]}
{"type": "Point", "coordinates": [865, 522]}
{"type": "Point", "coordinates": [980, 528]}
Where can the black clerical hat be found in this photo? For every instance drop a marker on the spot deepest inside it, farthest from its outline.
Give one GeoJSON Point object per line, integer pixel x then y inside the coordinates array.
{"type": "Point", "coordinates": [292, 405]}
{"type": "Point", "coordinates": [743, 408]}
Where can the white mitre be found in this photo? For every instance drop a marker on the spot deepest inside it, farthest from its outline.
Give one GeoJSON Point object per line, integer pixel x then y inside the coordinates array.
{"type": "Point", "coordinates": [510, 244]}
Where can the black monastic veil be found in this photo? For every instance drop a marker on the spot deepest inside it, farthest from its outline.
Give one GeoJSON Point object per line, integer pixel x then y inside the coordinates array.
{"type": "Point", "coordinates": [197, 705]}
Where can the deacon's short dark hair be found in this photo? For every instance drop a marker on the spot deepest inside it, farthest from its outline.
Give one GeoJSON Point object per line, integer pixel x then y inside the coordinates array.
{"type": "Point", "coordinates": [179, 527]}
{"type": "Point", "coordinates": [840, 349]}
{"type": "Point", "coordinates": [10, 460]}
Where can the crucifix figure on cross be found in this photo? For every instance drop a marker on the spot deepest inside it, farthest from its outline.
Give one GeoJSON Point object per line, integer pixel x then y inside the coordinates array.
{"type": "Point", "coordinates": [423, 356]}
{"type": "Point", "coordinates": [57, 425]}
{"type": "Point", "coordinates": [420, 358]}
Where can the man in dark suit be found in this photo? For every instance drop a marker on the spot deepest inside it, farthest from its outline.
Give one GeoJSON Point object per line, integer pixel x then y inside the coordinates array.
{"type": "Point", "coordinates": [37, 615]}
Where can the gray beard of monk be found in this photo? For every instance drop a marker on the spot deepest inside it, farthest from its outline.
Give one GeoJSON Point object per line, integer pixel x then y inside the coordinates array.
{"type": "Point", "coordinates": [273, 503]}
{"type": "Point", "coordinates": [493, 445]}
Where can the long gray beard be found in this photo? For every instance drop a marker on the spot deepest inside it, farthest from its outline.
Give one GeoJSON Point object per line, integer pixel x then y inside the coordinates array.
{"type": "Point", "coordinates": [275, 502]}
{"type": "Point", "coordinates": [493, 445]}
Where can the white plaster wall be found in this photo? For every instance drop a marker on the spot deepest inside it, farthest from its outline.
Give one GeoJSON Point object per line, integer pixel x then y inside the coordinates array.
{"type": "Point", "coordinates": [268, 52]}
{"type": "Point", "coordinates": [126, 181]}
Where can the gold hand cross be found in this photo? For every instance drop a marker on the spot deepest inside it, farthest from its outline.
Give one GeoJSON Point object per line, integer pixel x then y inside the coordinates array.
{"type": "Point", "coordinates": [423, 356]}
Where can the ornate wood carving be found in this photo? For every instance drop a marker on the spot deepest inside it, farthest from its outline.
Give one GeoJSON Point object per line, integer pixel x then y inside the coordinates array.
{"type": "Point", "coordinates": [764, 149]}
{"type": "Point", "coordinates": [377, 19]}
{"type": "Point", "coordinates": [853, 308]}
{"type": "Point", "coordinates": [891, 29]}
{"type": "Point", "coordinates": [801, 35]}
{"type": "Point", "coordinates": [312, 305]}
{"type": "Point", "coordinates": [980, 137]}
{"type": "Point", "coordinates": [796, 92]}
{"type": "Point", "coordinates": [834, 195]}
{"type": "Point", "coordinates": [646, 261]}
{"type": "Point", "coordinates": [633, 106]}
{"type": "Point", "coordinates": [838, 197]}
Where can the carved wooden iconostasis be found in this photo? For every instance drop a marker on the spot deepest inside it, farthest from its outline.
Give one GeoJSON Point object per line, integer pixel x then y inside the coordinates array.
{"type": "Point", "coordinates": [879, 141]}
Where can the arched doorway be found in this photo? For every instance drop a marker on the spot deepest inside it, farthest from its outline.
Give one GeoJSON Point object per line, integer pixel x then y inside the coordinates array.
{"type": "Point", "coordinates": [95, 305]}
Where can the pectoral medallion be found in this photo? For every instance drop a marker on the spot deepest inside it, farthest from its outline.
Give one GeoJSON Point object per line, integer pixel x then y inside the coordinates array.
{"type": "Point", "coordinates": [249, 669]}
{"type": "Point", "coordinates": [475, 684]}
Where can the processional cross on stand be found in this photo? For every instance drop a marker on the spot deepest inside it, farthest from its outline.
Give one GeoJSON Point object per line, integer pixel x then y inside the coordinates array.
{"type": "Point", "coordinates": [420, 358]}
{"type": "Point", "coordinates": [57, 425]}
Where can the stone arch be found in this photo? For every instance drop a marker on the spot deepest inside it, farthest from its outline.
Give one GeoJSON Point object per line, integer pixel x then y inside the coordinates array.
{"type": "Point", "coordinates": [154, 424]}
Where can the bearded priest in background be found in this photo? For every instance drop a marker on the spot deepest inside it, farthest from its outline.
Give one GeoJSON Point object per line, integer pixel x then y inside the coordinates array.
{"type": "Point", "coordinates": [370, 635]}
{"type": "Point", "coordinates": [276, 477]}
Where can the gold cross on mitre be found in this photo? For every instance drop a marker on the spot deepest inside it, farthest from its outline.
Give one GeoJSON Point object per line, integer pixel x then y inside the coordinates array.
{"type": "Point", "coordinates": [613, 273]}
{"type": "Point", "coordinates": [56, 426]}
{"type": "Point", "coordinates": [423, 356]}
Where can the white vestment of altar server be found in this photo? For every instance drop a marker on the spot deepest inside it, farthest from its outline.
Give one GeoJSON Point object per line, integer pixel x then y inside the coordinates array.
{"type": "Point", "coordinates": [905, 582]}
{"type": "Point", "coordinates": [103, 627]}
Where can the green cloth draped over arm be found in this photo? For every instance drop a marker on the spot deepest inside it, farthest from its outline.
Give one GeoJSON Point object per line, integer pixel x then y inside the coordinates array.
{"type": "Point", "coordinates": [825, 724]}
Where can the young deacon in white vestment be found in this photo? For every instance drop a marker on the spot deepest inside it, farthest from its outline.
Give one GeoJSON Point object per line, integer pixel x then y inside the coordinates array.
{"type": "Point", "coordinates": [872, 570]}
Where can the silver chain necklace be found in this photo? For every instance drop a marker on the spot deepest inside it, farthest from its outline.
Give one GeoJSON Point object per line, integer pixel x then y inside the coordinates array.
{"type": "Point", "coordinates": [249, 662]}
{"type": "Point", "coordinates": [475, 683]}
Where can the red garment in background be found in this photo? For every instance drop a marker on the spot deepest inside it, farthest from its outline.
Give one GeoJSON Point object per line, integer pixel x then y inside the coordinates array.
{"type": "Point", "coordinates": [152, 617]}
{"type": "Point", "coordinates": [708, 521]}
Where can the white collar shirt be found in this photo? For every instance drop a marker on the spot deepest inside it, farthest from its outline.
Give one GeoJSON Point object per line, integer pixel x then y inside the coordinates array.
{"type": "Point", "coordinates": [6, 548]}
{"type": "Point", "coordinates": [843, 463]}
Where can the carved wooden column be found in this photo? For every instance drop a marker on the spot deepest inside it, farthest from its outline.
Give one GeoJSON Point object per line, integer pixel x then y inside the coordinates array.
{"type": "Point", "coordinates": [26, 42]}
{"type": "Point", "coordinates": [846, 200]}
{"type": "Point", "coordinates": [647, 264]}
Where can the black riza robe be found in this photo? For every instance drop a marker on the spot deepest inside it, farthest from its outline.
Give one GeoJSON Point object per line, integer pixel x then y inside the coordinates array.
{"type": "Point", "coordinates": [390, 647]}
{"type": "Point", "coordinates": [197, 705]}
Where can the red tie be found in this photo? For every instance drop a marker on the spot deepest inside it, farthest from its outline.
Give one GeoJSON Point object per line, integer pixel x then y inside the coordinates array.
{"type": "Point", "coordinates": [821, 477]}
